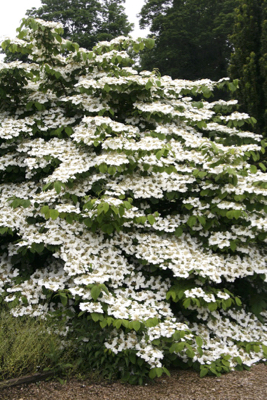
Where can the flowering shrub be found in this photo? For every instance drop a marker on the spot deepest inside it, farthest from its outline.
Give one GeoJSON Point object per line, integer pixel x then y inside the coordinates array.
{"type": "Point", "coordinates": [131, 201]}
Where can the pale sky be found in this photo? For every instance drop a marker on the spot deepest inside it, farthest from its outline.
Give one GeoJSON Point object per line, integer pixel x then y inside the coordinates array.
{"type": "Point", "coordinates": [12, 11]}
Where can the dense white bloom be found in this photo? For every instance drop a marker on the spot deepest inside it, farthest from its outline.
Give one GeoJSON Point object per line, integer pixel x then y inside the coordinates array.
{"type": "Point", "coordinates": [138, 203]}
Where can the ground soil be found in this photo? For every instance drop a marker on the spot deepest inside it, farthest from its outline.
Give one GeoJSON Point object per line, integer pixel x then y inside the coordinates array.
{"type": "Point", "coordinates": [182, 385]}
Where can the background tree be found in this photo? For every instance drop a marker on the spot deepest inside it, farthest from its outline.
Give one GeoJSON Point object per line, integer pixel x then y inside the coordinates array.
{"type": "Point", "coordinates": [191, 37]}
{"type": "Point", "coordinates": [249, 60]}
{"type": "Point", "coordinates": [86, 22]}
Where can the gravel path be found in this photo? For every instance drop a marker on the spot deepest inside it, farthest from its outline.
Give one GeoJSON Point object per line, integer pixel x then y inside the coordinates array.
{"type": "Point", "coordinates": [182, 385]}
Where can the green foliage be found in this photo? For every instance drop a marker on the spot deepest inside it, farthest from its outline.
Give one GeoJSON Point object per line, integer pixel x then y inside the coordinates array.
{"type": "Point", "coordinates": [249, 61]}
{"type": "Point", "coordinates": [91, 356]}
{"type": "Point", "coordinates": [191, 37]}
{"type": "Point", "coordinates": [86, 22]}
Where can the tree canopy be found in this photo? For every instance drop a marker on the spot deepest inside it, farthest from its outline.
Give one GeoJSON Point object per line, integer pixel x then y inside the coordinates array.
{"type": "Point", "coordinates": [86, 22]}
{"type": "Point", "coordinates": [249, 59]}
{"type": "Point", "coordinates": [130, 206]}
{"type": "Point", "coordinates": [191, 37]}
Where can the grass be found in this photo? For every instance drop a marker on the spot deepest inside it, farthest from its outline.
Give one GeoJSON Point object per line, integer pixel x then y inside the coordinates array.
{"type": "Point", "coordinates": [29, 345]}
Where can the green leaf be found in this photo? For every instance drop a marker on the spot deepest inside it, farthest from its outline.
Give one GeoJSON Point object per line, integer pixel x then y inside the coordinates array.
{"type": "Point", "coordinates": [132, 358]}
{"type": "Point", "coordinates": [171, 294]}
{"type": "Point", "coordinates": [149, 84]}
{"type": "Point", "coordinates": [248, 347]}
{"type": "Point", "coordinates": [45, 210]}
{"type": "Point", "coordinates": [233, 214]}
{"type": "Point", "coordinates": [141, 220]}
{"type": "Point", "coordinates": [256, 348]}
{"type": "Point", "coordinates": [253, 169]}
{"type": "Point", "coordinates": [201, 124]}
{"type": "Point", "coordinates": [231, 87]}
{"type": "Point", "coordinates": [188, 206]}
{"type": "Point", "coordinates": [105, 207]}
{"type": "Point", "coordinates": [58, 37]}
{"type": "Point", "coordinates": [191, 221]}
{"type": "Point", "coordinates": [68, 130]}
{"type": "Point", "coordinates": [88, 222]}
{"type": "Point", "coordinates": [151, 322]}
{"type": "Point", "coordinates": [159, 372]}
{"type": "Point", "coordinates": [186, 303]}
{"type": "Point", "coordinates": [233, 245]}
{"type": "Point", "coordinates": [235, 180]}
{"type": "Point", "coordinates": [125, 323]}
{"type": "Point", "coordinates": [57, 186]}
{"type": "Point", "coordinates": [39, 106]}
{"type": "Point", "coordinates": [136, 47]}
{"type": "Point", "coordinates": [203, 372]}
{"type": "Point", "coordinates": [107, 228]}
{"type": "Point", "coordinates": [159, 154]}
{"type": "Point", "coordinates": [177, 335]}
{"type": "Point", "coordinates": [112, 170]}
{"type": "Point", "coordinates": [33, 24]}
{"type": "Point", "coordinates": [47, 186]}
{"type": "Point", "coordinates": [104, 288]}
{"type": "Point", "coordinates": [166, 371]}
{"type": "Point", "coordinates": [136, 325]}
{"type": "Point", "coordinates": [152, 373]}
{"type": "Point", "coordinates": [26, 203]}
{"type": "Point", "coordinates": [212, 306]}
{"type": "Point", "coordinates": [178, 232]}
{"type": "Point", "coordinates": [149, 43]}
{"type": "Point", "coordinates": [264, 349]}
{"type": "Point", "coordinates": [107, 88]}
{"type": "Point", "coordinates": [29, 105]}
{"type": "Point", "coordinates": [199, 341]}
{"type": "Point", "coordinates": [177, 347]}
{"type": "Point", "coordinates": [97, 317]}
{"type": "Point", "coordinates": [95, 292]}
{"type": "Point", "coordinates": [238, 301]}
{"type": "Point", "coordinates": [63, 298]}
{"type": "Point", "coordinates": [262, 166]}
{"type": "Point", "coordinates": [202, 220]}
{"type": "Point", "coordinates": [103, 323]}
{"type": "Point", "coordinates": [53, 214]}
{"type": "Point", "coordinates": [151, 219]}
{"type": "Point", "coordinates": [103, 168]}
{"type": "Point", "coordinates": [38, 247]}
{"type": "Point", "coordinates": [238, 360]}
{"type": "Point", "coordinates": [127, 205]}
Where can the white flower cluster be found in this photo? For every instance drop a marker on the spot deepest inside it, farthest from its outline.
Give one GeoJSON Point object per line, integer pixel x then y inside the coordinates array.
{"type": "Point", "coordinates": [49, 24]}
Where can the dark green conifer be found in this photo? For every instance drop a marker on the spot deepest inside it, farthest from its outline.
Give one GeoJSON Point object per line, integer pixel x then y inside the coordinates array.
{"type": "Point", "coordinates": [191, 37]}
{"type": "Point", "coordinates": [249, 59]}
